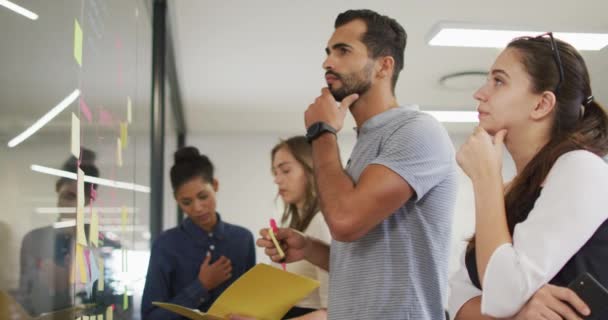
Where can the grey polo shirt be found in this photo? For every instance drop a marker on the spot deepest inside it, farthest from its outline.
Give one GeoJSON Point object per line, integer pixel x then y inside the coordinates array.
{"type": "Point", "coordinates": [399, 269]}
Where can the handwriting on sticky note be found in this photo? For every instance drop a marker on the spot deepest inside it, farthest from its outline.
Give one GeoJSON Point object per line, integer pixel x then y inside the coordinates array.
{"type": "Point", "coordinates": [77, 42]}
{"type": "Point", "coordinates": [129, 110]}
{"type": "Point", "coordinates": [80, 233]}
{"type": "Point", "coordinates": [80, 260]}
{"type": "Point", "coordinates": [80, 200]}
{"type": "Point", "coordinates": [124, 134]}
{"type": "Point", "coordinates": [75, 137]}
{"type": "Point", "coordinates": [118, 153]}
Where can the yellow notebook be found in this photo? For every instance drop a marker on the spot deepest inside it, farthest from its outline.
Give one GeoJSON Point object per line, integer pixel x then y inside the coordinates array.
{"type": "Point", "coordinates": [264, 292]}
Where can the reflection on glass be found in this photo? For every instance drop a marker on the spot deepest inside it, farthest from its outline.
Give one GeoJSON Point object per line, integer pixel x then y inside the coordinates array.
{"type": "Point", "coordinates": [100, 73]}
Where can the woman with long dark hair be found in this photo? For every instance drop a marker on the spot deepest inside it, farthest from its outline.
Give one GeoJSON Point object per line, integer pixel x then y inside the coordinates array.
{"type": "Point", "coordinates": [537, 233]}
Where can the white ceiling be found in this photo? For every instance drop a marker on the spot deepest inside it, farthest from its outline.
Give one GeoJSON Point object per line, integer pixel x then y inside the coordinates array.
{"type": "Point", "coordinates": [254, 66]}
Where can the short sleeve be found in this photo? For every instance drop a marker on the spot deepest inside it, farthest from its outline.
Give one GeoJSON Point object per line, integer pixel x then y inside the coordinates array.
{"type": "Point", "coordinates": [420, 151]}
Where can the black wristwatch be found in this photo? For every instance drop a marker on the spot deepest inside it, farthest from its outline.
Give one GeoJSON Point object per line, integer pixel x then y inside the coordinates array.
{"type": "Point", "coordinates": [317, 129]}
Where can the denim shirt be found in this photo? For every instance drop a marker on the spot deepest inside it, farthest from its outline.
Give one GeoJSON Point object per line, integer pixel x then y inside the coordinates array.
{"type": "Point", "coordinates": [175, 261]}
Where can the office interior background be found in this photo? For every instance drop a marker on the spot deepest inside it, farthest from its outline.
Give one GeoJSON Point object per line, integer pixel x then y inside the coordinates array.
{"type": "Point", "coordinates": [231, 78]}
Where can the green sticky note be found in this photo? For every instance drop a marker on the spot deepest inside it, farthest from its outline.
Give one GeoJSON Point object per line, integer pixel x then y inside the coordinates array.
{"type": "Point", "coordinates": [125, 300]}
{"type": "Point", "coordinates": [77, 42]}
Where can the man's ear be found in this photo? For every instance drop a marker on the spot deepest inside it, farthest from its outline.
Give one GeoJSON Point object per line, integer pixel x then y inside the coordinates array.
{"type": "Point", "coordinates": [386, 67]}
{"type": "Point", "coordinates": [216, 185]}
{"type": "Point", "coordinates": [544, 106]}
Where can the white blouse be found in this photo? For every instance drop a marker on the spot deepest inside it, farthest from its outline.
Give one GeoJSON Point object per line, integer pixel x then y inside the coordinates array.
{"type": "Point", "coordinates": [571, 207]}
{"type": "Point", "coordinates": [318, 298]}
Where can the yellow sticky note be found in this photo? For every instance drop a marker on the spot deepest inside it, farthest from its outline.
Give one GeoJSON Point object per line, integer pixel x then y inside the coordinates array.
{"type": "Point", "coordinates": [101, 280]}
{"type": "Point", "coordinates": [124, 218]}
{"type": "Point", "coordinates": [77, 42]}
{"type": "Point", "coordinates": [81, 237]}
{"type": "Point", "coordinates": [276, 291]}
{"type": "Point", "coordinates": [110, 313]}
{"type": "Point", "coordinates": [80, 201]}
{"type": "Point", "coordinates": [73, 267]}
{"type": "Point", "coordinates": [125, 300]}
{"type": "Point", "coordinates": [75, 141]}
{"type": "Point", "coordinates": [94, 229]}
{"type": "Point", "coordinates": [118, 153]}
{"type": "Point", "coordinates": [82, 268]}
{"type": "Point", "coordinates": [129, 112]}
{"type": "Point", "coordinates": [124, 134]}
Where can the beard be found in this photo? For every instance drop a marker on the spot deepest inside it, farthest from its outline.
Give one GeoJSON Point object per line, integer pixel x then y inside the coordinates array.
{"type": "Point", "coordinates": [356, 82]}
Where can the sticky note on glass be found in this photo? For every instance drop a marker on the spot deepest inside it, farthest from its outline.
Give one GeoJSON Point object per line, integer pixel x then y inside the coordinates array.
{"type": "Point", "coordinates": [129, 111]}
{"type": "Point", "coordinates": [118, 153]}
{"type": "Point", "coordinates": [125, 300]}
{"type": "Point", "coordinates": [124, 134]}
{"type": "Point", "coordinates": [75, 141]}
{"type": "Point", "coordinates": [82, 268]}
{"type": "Point", "coordinates": [80, 189]}
{"type": "Point", "coordinates": [85, 110]}
{"type": "Point", "coordinates": [80, 234]}
{"type": "Point", "coordinates": [94, 229]}
{"type": "Point", "coordinates": [110, 313]}
{"type": "Point", "coordinates": [77, 42]}
{"type": "Point", "coordinates": [124, 219]}
{"type": "Point", "coordinates": [101, 280]}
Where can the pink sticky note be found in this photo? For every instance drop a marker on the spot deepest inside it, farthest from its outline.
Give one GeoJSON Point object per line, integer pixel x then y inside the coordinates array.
{"type": "Point", "coordinates": [85, 110]}
{"type": "Point", "coordinates": [105, 117]}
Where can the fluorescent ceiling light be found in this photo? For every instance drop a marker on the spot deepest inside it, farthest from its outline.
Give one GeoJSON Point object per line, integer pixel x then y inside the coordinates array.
{"type": "Point", "coordinates": [18, 9]}
{"type": "Point", "coordinates": [95, 180]}
{"type": "Point", "coordinates": [58, 210]}
{"type": "Point", "coordinates": [462, 35]}
{"type": "Point", "coordinates": [45, 119]}
{"type": "Point", "coordinates": [455, 116]}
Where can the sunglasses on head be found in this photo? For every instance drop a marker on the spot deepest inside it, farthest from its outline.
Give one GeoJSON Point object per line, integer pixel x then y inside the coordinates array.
{"type": "Point", "coordinates": [555, 52]}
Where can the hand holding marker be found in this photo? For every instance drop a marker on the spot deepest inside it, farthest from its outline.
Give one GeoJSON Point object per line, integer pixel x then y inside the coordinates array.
{"type": "Point", "coordinates": [272, 231]}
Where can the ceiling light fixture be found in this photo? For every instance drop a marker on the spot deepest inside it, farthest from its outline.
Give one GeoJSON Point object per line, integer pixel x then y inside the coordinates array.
{"type": "Point", "coordinates": [99, 181]}
{"type": "Point", "coordinates": [18, 9]}
{"type": "Point", "coordinates": [45, 119]}
{"type": "Point", "coordinates": [469, 35]}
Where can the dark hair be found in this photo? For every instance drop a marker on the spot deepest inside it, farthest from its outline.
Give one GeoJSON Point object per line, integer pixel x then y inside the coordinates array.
{"type": "Point", "coordinates": [384, 36]}
{"type": "Point", "coordinates": [580, 123]}
{"type": "Point", "coordinates": [189, 163]}
{"type": "Point", "coordinates": [87, 165]}
{"type": "Point", "coordinates": [301, 150]}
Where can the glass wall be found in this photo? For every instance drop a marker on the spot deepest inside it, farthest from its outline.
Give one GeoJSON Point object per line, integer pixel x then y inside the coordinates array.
{"type": "Point", "coordinates": [74, 158]}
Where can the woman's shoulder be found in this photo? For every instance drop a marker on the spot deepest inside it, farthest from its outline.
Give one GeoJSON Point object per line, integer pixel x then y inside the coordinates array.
{"type": "Point", "coordinates": [167, 239]}
{"type": "Point", "coordinates": [581, 160]}
{"type": "Point", "coordinates": [236, 229]}
{"type": "Point", "coordinates": [579, 166]}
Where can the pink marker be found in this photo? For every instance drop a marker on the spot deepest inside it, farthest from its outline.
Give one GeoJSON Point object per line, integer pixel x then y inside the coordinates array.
{"type": "Point", "coordinates": [275, 230]}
